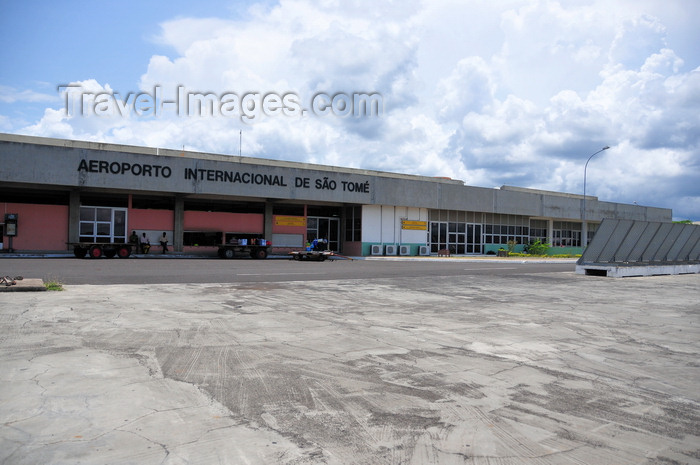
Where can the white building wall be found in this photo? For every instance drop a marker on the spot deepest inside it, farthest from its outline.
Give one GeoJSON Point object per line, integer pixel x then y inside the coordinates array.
{"type": "Point", "coordinates": [371, 223]}
{"type": "Point", "coordinates": [382, 224]}
{"type": "Point", "coordinates": [389, 232]}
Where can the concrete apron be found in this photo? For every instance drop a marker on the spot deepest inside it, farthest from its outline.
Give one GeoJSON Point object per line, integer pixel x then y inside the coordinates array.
{"type": "Point", "coordinates": [535, 369]}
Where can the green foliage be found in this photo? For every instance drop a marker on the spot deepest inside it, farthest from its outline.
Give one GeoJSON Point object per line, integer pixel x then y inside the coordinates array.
{"type": "Point", "coordinates": [537, 248]}
{"type": "Point", "coordinates": [53, 286]}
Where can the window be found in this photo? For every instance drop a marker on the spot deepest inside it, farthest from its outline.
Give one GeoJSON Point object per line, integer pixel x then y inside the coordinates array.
{"type": "Point", "coordinates": [506, 228]}
{"type": "Point", "coordinates": [458, 238]}
{"type": "Point", "coordinates": [102, 225]}
{"type": "Point", "coordinates": [458, 231]}
{"type": "Point", "coordinates": [566, 234]}
{"type": "Point", "coordinates": [353, 224]}
{"type": "Point", "coordinates": [538, 231]}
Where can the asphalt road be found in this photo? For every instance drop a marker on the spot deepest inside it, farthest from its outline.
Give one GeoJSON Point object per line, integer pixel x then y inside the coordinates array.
{"type": "Point", "coordinates": [172, 270]}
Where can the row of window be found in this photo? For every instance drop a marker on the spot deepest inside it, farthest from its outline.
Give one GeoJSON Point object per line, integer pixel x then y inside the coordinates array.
{"type": "Point", "coordinates": [459, 238]}
{"type": "Point", "coordinates": [566, 234]}
{"type": "Point", "coordinates": [538, 230]}
{"type": "Point", "coordinates": [501, 229]}
{"type": "Point", "coordinates": [104, 224]}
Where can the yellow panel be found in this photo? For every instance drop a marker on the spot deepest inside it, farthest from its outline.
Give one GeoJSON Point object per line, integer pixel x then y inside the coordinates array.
{"type": "Point", "coordinates": [290, 221]}
{"type": "Point", "coordinates": [414, 225]}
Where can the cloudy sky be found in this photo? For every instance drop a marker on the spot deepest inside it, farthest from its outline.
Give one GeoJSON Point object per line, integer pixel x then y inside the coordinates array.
{"type": "Point", "coordinates": [491, 92]}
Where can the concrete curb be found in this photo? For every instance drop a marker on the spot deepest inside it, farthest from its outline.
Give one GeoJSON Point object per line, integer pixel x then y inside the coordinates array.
{"type": "Point", "coordinates": [176, 255]}
{"type": "Point", "coordinates": [478, 259]}
{"type": "Point", "coordinates": [25, 285]}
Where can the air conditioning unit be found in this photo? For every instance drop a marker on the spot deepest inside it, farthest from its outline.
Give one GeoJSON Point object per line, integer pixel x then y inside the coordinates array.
{"type": "Point", "coordinates": [377, 249]}
{"type": "Point", "coordinates": [404, 250]}
{"type": "Point", "coordinates": [391, 249]}
{"type": "Point", "coordinates": [424, 250]}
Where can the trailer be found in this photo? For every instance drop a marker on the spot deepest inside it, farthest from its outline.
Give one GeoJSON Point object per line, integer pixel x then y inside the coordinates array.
{"type": "Point", "coordinates": [310, 255]}
{"type": "Point", "coordinates": [258, 251]}
{"type": "Point", "coordinates": [315, 255]}
{"type": "Point", "coordinates": [99, 250]}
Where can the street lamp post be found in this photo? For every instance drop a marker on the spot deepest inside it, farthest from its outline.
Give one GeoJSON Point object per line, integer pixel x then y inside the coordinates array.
{"type": "Point", "coordinates": [584, 226]}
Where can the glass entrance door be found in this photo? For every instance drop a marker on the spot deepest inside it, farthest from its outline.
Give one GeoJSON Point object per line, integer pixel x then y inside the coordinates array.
{"type": "Point", "coordinates": [324, 228]}
{"type": "Point", "coordinates": [438, 236]}
{"type": "Point", "coordinates": [474, 239]}
{"type": "Point", "coordinates": [458, 238]}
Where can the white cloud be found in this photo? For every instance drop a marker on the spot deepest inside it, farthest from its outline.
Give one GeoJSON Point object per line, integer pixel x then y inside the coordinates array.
{"type": "Point", "coordinates": [636, 39]}
{"type": "Point", "coordinates": [12, 95]}
{"type": "Point", "coordinates": [514, 92]}
{"type": "Point", "coordinates": [54, 124]}
{"type": "Point", "coordinates": [5, 123]}
{"type": "Point", "coordinates": [468, 88]}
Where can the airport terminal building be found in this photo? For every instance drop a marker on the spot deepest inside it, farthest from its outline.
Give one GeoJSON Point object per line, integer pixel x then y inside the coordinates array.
{"type": "Point", "coordinates": [56, 192]}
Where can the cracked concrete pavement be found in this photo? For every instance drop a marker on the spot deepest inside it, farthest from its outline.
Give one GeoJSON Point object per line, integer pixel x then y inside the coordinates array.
{"type": "Point", "coordinates": [551, 368]}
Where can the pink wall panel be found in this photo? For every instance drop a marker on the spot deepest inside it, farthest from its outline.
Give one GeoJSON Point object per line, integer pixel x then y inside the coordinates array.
{"type": "Point", "coordinates": [151, 219]}
{"type": "Point", "coordinates": [40, 227]}
{"type": "Point", "coordinates": [277, 229]}
{"type": "Point", "coordinates": [222, 221]}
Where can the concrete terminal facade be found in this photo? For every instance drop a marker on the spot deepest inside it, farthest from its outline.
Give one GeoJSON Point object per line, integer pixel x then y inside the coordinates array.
{"type": "Point", "coordinates": [66, 191]}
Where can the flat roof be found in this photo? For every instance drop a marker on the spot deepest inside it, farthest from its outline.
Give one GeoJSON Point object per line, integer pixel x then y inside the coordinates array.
{"type": "Point", "coordinates": [162, 152]}
{"type": "Point", "coordinates": [544, 192]}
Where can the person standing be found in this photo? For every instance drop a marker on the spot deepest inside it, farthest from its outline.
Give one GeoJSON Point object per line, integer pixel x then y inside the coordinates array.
{"type": "Point", "coordinates": [134, 241]}
{"type": "Point", "coordinates": [164, 242]}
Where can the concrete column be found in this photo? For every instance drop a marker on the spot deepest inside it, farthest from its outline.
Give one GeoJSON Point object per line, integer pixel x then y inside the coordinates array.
{"type": "Point", "coordinates": [341, 232]}
{"type": "Point", "coordinates": [179, 224]}
{"type": "Point", "coordinates": [267, 225]}
{"type": "Point", "coordinates": [74, 216]}
{"type": "Point", "coordinates": [550, 231]}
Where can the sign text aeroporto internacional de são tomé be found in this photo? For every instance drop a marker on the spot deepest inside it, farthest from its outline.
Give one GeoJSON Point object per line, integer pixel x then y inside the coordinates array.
{"type": "Point", "coordinates": [224, 176]}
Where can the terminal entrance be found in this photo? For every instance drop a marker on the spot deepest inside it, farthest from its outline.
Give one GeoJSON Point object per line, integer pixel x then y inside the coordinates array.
{"type": "Point", "coordinates": [324, 228]}
{"type": "Point", "coordinates": [458, 238]}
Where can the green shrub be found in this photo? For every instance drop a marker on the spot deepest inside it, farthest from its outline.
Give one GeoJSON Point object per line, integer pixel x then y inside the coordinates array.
{"type": "Point", "coordinates": [53, 286]}
{"type": "Point", "coordinates": [537, 248]}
